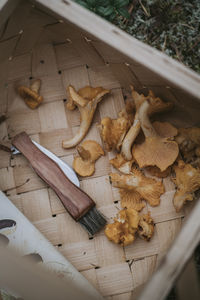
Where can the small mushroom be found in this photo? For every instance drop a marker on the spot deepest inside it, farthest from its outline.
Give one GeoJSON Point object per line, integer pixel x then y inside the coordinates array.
{"type": "Point", "coordinates": [146, 227]}
{"type": "Point", "coordinates": [148, 188]}
{"type": "Point", "coordinates": [87, 107]}
{"type": "Point", "coordinates": [113, 131]}
{"type": "Point", "coordinates": [165, 129]}
{"type": "Point", "coordinates": [155, 150]}
{"type": "Point", "coordinates": [187, 181]}
{"type": "Point", "coordinates": [125, 225]}
{"type": "Point", "coordinates": [156, 106]}
{"type": "Point", "coordinates": [188, 140]}
{"type": "Point", "coordinates": [89, 152]}
{"type": "Point", "coordinates": [31, 95]}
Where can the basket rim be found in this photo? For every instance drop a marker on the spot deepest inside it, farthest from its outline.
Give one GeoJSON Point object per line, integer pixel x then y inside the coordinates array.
{"type": "Point", "coordinates": [168, 68]}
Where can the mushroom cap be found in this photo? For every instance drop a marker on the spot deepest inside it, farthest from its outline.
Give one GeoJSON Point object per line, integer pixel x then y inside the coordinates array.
{"type": "Point", "coordinates": [31, 98]}
{"type": "Point", "coordinates": [155, 151]}
{"type": "Point", "coordinates": [131, 199]}
{"type": "Point", "coordinates": [35, 85]}
{"type": "Point", "coordinates": [83, 167]}
{"type": "Point", "coordinates": [188, 139]}
{"type": "Point", "coordinates": [125, 225]}
{"type": "Point", "coordinates": [93, 148]}
{"type": "Point", "coordinates": [89, 152]}
{"type": "Point", "coordinates": [121, 164]}
{"type": "Point", "coordinates": [74, 98]}
{"type": "Point", "coordinates": [113, 132]}
{"type": "Point", "coordinates": [157, 105]}
{"type": "Point", "coordinates": [146, 227]}
{"type": "Point", "coordinates": [117, 161]}
{"type": "Point", "coordinates": [165, 129]}
{"type": "Point", "coordinates": [155, 171]}
{"type": "Point", "coordinates": [128, 182]}
{"type": "Point", "coordinates": [148, 188]}
{"type": "Point", "coordinates": [187, 181]}
{"type": "Point", "coordinates": [89, 92]}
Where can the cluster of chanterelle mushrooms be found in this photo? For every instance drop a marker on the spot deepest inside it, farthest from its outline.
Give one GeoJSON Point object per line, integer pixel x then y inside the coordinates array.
{"type": "Point", "coordinates": [140, 145]}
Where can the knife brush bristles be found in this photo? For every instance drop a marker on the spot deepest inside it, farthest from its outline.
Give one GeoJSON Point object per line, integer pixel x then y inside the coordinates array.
{"type": "Point", "coordinates": [92, 221]}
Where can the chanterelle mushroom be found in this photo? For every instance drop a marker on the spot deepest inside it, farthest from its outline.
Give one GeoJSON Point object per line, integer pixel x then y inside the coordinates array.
{"type": "Point", "coordinates": [146, 227]}
{"type": "Point", "coordinates": [155, 150]}
{"type": "Point", "coordinates": [121, 164]}
{"type": "Point", "coordinates": [89, 152]}
{"type": "Point", "coordinates": [113, 131]}
{"type": "Point", "coordinates": [31, 95]}
{"type": "Point", "coordinates": [165, 130]}
{"type": "Point", "coordinates": [156, 106]}
{"type": "Point", "coordinates": [87, 106]}
{"type": "Point", "coordinates": [131, 199]}
{"type": "Point", "coordinates": [125, 225]}
{"type": "Point", "coordinates": [188, 140]}
{"type": "Point", "coordinates": [187, 181]}
{"type": "Point", "coordinates": [148, 188]}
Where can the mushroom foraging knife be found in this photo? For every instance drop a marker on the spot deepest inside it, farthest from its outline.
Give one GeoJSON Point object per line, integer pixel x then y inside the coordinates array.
{"type": "Point", "coordinates": [63, 180]}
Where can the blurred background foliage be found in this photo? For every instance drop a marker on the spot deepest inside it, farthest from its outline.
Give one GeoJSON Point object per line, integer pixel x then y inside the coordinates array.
{"type": "Point", "coordinates": [171, 26]}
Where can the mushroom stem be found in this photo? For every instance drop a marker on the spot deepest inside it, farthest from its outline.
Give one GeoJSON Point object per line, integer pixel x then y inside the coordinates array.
{"type": "Point", "coordinates": [87, 110]}
{"type": "Point", "coordinates": [130, 138]}
{"type": "Point", "coordinates": [156, 105]}
{"type": "Point", "coordinates": [135, 128]}
{"type": "Point", "coordinates": [87, 114]}
{"type": "Point", "coordinates": [155, 150]}
{"type": "Point", "coordinates": [147, 128]}
{"type": "Point", "coordinates": [84, 154]}
{"type": "Point", "coordinates": [35, 85]}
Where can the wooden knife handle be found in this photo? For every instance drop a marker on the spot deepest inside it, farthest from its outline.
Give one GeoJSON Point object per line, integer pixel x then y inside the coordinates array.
{"type": "Point", "coordinates": [76, 202]}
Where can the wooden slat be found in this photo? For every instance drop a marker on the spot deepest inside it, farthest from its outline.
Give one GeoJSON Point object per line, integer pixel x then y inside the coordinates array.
{"type": "Point", "coordinates": [175, 259]}
{"type": "Point", "coordinates": [103, 76]}
{"type": "Point", "coordinates": [34, 205]}
{"type": "Point", "coordinates": [20, 121]}
{"type": "Point", "coordinates": [114, 280]}
{"type": "Point", "coordinates": [147, 56]}
{"type": "Point", "coordinates": [82, 255]}
{"type": "Point", "coordinates": [44, 61]}
{"type": "Point", "coordinates": [142, 269]}
{"type": "Point", "coordinates": [60, 55]}
{"type": "Point", "coordinates": [52, 116]}
{"type": "Point", "coordinates": [141, 248]}
{"type": "Point", "coordinates": [19, 67]}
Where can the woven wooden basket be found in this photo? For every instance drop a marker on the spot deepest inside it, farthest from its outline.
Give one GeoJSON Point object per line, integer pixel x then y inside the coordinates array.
{"type": "Point", "coordinates": [38, 43]}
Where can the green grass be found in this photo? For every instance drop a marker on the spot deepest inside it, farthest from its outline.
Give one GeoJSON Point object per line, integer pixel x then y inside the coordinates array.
{"type": "Point", "coordinates": [171, 26]}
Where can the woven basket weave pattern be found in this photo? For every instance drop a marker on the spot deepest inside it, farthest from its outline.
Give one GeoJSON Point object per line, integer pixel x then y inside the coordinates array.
{"type": "Point", "coordinates": [36, 45]}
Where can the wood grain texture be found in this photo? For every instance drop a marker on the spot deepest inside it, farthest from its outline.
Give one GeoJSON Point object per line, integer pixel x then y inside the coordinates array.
{"type": "Point", "coordinates": [57, 52]}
